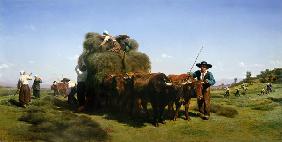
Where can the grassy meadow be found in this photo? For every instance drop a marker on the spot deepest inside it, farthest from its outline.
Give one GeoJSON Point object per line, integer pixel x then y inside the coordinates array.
{"type": "Point", "coordinates": [246, 118]}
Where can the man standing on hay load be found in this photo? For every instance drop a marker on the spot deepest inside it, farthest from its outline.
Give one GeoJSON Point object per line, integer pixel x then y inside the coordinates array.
{"type": "Point", "coordinates": [207, 79]}
{"type": "Point", "coordinates": [115, 46]}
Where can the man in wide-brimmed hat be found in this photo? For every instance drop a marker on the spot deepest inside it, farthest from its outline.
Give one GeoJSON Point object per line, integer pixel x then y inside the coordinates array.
{"type": "Point", "coordinates": [208, 80]}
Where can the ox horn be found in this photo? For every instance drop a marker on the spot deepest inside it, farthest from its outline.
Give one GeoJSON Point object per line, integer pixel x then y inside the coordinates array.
{"type": "Point", "coordinates": [187, 82]}
{"type": "Point", "coordinates": [168, 84]}
{"type": "Point", "coordinates": [184, 83]}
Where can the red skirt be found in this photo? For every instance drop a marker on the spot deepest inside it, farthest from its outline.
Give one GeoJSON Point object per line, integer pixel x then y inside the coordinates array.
{"type": "Point", "coordinates": [24, 95]}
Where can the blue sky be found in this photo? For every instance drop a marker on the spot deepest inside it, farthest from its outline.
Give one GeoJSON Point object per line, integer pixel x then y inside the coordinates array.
{"type": "Point", "coordinates": [45, 36]}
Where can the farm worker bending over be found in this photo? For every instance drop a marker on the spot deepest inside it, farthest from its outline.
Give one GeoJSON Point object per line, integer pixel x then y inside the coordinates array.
{"type": "Point", "coordinates": [107, 37]}
{"type": "Point", "coordinates": [114, 45]}
{"type": "Point", "coordinates": [24, 94]}
{"type": "Point", "coordinates": [208, 80]}
{"type": "Point", "coordinates": [226, 92]}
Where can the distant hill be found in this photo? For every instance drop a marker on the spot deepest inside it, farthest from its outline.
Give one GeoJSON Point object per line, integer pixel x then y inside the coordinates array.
{"type": "Point", "coordinates": [267, 76]}
{"type": "Point", "coordinates": [4, 84]}
{"type": "Point", "coordinates": [273, 76]}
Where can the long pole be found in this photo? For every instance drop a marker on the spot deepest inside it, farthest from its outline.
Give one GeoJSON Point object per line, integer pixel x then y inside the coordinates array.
{"type": "Point", "coordinates": [196, 58]}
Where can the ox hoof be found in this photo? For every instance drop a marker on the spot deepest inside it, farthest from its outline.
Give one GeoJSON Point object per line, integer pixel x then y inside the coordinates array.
{"type": "Point", "coordinates": [156, 125]}
{"type": "Point", "coordinates": [206, 117]}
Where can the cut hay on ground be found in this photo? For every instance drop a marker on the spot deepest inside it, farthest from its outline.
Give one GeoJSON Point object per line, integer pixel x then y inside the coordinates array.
{"type": "Point", "coordinates": [224, 111]}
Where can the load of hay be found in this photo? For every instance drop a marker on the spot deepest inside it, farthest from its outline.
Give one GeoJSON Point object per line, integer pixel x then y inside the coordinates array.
{"type": "Point", "coordinates": [101, 61]}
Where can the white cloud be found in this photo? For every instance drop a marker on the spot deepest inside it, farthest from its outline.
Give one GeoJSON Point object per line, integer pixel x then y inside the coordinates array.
{"type": "Point", "coordinates": [73, 58]}
{"type": "Point", "coordinates": [242, 64]}
{"type": "Point", "coordinates": [166, 56]}
{"type": "Point", "coordinates": [3, 66]}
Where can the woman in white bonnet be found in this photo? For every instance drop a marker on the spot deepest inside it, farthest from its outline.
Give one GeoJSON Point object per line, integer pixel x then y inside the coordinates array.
{"type": "Point", "coordinates": [24, 93]}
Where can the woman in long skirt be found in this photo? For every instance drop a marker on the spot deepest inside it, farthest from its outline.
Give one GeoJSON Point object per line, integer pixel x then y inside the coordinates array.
{"type": "Point", "coordinates": [24, 93]}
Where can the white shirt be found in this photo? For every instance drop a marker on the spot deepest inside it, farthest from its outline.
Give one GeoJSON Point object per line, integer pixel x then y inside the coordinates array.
{"type": "Point", "coordinates": [107, 38]}
{"type": "Point", "coordinates": [203, 75]}
{"type": "Point", "coordinates": [70, 86]}
{"type": "Point", "coordinates": [81, 75]}
{"type": "Point", "coordinates": [24, 79]}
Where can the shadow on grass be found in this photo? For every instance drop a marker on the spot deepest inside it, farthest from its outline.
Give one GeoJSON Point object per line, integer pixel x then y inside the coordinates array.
{"type": "Point", "coordinates": [113, 114]}
{"type": "Point", "coordinates": [277, 100]}
{"type": "Point", "coordinates": [49, 124]}
{"type": "Point", "coordinates": [10, 102]}
{"type": "Point", "coordinates": [218, 96]}
{"type": "Point", "coordinates": [137, 121]}
{"type": "Point", "coordinates": [62, 105]}
{"type": "Point", "coordinates": [110, 114]}
{"type": "Point", "coordinates": [14, 102]}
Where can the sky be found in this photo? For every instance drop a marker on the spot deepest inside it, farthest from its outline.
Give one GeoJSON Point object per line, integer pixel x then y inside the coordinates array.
{"type": "Point", "coordinates": [46, 37]}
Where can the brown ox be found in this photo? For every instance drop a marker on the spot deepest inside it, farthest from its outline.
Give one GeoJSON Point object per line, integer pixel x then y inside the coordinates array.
{"type": "Point", "coordinates": [151, 88]}
{"type": "Point", "coordinates": [136, 85]}
{"type": "Point", "coordinates": [114, 92]}
{"type": "Point", "coordinates": [179, 78]}
{"type": "Point", "coordinates": [186, 88]}
{"type": "Point", "coordinates": [59, 88]}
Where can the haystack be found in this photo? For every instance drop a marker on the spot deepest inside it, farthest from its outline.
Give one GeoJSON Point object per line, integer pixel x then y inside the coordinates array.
{"type": "Point", "coordinates": [101, 62]}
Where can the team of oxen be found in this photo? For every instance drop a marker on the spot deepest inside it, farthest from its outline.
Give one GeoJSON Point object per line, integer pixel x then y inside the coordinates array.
{"type": "Point", "coordinates": [131, 93]}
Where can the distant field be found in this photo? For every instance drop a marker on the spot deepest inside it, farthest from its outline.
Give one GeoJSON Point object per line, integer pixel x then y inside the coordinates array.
{"type": "Point", "coordinates": [246, 118]}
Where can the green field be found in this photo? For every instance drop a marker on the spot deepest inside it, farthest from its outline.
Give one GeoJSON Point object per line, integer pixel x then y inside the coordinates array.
{"type": "Point", "coordinates": [245, 118]}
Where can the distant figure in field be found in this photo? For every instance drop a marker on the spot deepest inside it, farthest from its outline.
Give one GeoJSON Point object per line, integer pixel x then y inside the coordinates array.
{"type": "Point", "coordinates": [24, 93]}
{"type": "Point", "coordinates": [81, 86]}
{"type": "Point", "coordinates": [227, 93]}
{"type": "Point", "coordinates": [237, 93]}
{"type": "Point", "coordinates": [36, 86]}
{"type": "Point", "coordinates": [244, 88]}
{"type": "Point", "coordinates": [207, 80]}
{"type": "Point", "coordinates": [268, 88]}
{"type": "Point", "coordinates": [262, 92]}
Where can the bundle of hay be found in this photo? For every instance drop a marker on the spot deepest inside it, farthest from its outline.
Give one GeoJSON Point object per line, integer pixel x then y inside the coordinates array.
{"type": "Point", "coordinates": [100, 61]}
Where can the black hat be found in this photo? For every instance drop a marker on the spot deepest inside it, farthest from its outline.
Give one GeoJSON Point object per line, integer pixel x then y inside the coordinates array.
{"type": "Point", "coordinates": [204, 63]}
{"type": "Point", "coordinates": [65, 80]}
